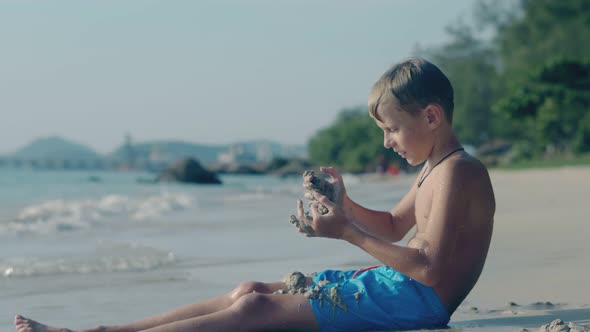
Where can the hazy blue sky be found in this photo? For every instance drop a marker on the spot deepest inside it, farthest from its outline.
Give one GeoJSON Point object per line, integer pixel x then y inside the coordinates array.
{"type": "Point", "coordinates": [199, 71]}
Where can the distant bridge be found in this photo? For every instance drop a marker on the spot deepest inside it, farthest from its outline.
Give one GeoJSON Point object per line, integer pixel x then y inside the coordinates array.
{"type": "Point", "coordinates": [73, 164]}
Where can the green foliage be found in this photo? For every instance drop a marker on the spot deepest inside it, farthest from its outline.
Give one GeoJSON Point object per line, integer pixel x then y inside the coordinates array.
{"type": "Point", "coordinates": [543, 29]}
{"type": "Point", "coordinates": [548, 108]}
{"type": "Point", "coordinates": [582, 139]}
{"type": "Point", "coordinates": [353, 143]}
{"type": "Point", "coordinates": [517, 85]}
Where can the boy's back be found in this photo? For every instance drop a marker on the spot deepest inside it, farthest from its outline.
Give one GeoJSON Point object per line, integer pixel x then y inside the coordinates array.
{"type": "Point", "coordinates": [459, 193]}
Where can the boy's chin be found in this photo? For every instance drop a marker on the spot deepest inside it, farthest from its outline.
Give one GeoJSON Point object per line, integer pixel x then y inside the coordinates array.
{"type": "Point", "coordinates": [414, 162]}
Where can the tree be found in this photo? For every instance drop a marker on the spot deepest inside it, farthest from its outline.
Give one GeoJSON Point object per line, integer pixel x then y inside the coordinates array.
{"type": "Point", "coordinates": [543, 30]}
{"type": "Point", "coordinates": [354, 143]}
{"type": "Point", "coordinates": [549, 112]}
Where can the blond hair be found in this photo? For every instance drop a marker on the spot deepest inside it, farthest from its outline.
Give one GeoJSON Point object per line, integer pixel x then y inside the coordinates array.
{"type": "Point", "coordinates": [413, 83]}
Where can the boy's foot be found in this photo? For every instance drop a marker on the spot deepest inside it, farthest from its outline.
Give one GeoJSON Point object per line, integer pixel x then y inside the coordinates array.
{"type": "Point", "coordinates": [28, 325]}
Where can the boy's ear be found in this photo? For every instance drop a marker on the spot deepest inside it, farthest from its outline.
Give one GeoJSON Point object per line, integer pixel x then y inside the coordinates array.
{"type": "Point", "coordinates": [433, 114]}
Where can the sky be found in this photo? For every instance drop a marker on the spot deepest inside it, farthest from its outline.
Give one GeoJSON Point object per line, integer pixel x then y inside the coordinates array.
{"type": "Point", "coordinates": [209, 72]}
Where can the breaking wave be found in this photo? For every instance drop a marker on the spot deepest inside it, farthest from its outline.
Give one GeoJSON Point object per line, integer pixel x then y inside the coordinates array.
{"type": "Point", "coordinates": [118, 259]}
{"type": "Point", "coordinates": [66, 215]}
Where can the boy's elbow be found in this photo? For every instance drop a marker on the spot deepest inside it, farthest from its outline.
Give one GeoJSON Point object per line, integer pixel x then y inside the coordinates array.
{"type": "Point", "coordinates": [430, 276]}
{"type": "Point", "coordinates": [393, 238]}
{"type": "Point", "coordinates": [395, 235]}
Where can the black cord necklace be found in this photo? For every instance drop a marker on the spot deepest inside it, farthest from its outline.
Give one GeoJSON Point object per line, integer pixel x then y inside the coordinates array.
{"type": "Point", "coordinates": [440, 161]}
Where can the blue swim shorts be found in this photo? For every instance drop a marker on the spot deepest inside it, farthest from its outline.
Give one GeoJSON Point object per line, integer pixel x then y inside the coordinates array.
{"type": "Point", "coordinates": [376, 299]}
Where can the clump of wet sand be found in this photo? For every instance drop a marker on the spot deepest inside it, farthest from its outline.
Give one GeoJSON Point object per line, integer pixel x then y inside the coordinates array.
{"type": "Point", "coordinates": [295, 283]}
{"type": "Point", "coordinates": [319, 183]}
{"type": "Point", "coordinates": [334, 296]}
{"type": "Point", "coordinates": [302, 225]}
{"type": "Point", "coordinates": [315, 183]}
{"type": "Point", "coordinates": [560, 326]}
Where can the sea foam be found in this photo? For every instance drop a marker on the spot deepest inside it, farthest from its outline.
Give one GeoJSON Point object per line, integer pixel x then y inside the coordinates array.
{"type": "Point", "coordinates": [120, 258]}
{"type": "Point", "coordinates": [66, 215]}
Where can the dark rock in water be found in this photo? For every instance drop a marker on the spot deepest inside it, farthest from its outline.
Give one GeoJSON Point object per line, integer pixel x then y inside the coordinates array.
{"type": "Point", "coordinates": [94, 178]}
{"type": "Point", "coordinates": [235, 168]}
{"type": "Point", "coordinates": [189, 171]}
{"type": "Point", "coordinates": [146, 180]}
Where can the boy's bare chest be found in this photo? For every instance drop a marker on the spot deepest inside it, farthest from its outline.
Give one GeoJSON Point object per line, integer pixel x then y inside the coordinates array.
{"type": "Point", "coordinates": [423, 207]}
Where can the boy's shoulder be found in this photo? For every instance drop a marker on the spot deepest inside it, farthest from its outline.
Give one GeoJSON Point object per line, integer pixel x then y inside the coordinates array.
{"type": "Point", "coordinates": [465, 180]}
{"type": "Point", "coordinates": [465, 171]}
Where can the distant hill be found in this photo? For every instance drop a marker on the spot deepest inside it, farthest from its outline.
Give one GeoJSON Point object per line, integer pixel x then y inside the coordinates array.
{"type": "Point", "coordinates": [55, 147]}
{"type": "Point", "coordinates": [158, 152]}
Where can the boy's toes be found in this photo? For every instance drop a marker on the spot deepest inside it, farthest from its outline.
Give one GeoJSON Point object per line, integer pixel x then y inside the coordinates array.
{"type": "Point", "coordinates": [25, 328]}
{"type": "Point", "coordinates": [22, 324]}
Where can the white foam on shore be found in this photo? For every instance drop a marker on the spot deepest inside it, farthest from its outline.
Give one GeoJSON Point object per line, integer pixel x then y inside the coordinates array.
{"type": "Point", "coordinates": [120, 258]}
{"type": "Point", "coordinates": [66, 215]}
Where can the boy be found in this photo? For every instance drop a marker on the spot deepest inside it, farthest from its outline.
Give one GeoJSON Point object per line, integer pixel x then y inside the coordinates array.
{"type": "Point", "coordinates": [451, 204]}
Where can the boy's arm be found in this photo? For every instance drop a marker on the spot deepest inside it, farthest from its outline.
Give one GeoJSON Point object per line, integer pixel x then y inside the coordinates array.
{"type": "Point", "coordinates": [390, 226]}
{"type": "Point", "coordinates": [449, 209]}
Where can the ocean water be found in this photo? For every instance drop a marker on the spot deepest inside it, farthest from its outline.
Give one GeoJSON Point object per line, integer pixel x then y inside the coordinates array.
{"type": "Point", "coordinates": [78, 249]}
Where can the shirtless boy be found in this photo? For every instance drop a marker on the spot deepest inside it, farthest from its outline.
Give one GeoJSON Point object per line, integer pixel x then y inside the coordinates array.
{"type": "Point", "coordinates": [451, 205]}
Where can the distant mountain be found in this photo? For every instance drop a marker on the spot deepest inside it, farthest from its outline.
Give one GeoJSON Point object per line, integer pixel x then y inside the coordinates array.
{"type": "Point", "coordinates": [155, 152]}
{"type": "Point", "coordinates": [55, 148]}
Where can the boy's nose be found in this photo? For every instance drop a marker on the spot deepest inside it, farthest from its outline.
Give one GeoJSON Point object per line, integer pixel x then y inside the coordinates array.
{"type": "Point", "coordinates": [387, 143]}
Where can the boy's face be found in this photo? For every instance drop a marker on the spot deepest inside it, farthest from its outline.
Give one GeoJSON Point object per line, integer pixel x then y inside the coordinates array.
{"type": "Point", "coordinates": [406, 133]}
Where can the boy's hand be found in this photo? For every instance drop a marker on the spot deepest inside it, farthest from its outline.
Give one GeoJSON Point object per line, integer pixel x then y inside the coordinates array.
{"type": "Point", "coordinates": [333, 224]}
{"type": "Point", "coordinates": [302, 220]}
{"type": "Point", "coordinates": [337, 183]}
{"type": "Point", "coordinates": [329, 217]}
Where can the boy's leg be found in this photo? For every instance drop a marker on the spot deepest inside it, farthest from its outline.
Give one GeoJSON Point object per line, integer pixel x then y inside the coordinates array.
{"type": "Point", "coordinates": [183, 313]}
{"type": "Point", "coordinates": [252, 312]}
{"type": "Point", "coordinates": [199, 308]}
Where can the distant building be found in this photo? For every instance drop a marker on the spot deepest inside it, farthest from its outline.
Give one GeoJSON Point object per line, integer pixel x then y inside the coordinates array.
{"type": "Point", "coordinates": [264, 152]}
{"type": "Point", "coordinates": [237, 154]}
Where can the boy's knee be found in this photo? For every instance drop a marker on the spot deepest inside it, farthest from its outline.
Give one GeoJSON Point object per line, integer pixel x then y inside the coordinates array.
{"type": "Point", "coordinates": [250, 303]}
{"type": "Point", "coordinates": [248, 288]}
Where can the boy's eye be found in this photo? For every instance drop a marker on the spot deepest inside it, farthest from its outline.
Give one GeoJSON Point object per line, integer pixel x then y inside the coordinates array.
{"type": "Point", "coordinates": [391, 130]}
